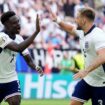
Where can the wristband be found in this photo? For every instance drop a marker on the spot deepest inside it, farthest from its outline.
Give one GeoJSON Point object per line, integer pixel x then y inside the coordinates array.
{"type": "Point", "coordinates": [58, 20]}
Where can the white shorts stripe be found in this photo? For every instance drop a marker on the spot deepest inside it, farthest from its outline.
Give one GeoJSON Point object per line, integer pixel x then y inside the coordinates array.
{"type": "Point", "coordinates": [14, 94]}
{"type": "Point", "coordinates": [78, 99]}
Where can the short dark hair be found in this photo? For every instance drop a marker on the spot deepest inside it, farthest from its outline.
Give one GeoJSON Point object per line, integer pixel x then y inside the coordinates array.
{"type": "Point", "coordinates": [88, 13]}
{"type": "Point", "coordinates": [5, 16]}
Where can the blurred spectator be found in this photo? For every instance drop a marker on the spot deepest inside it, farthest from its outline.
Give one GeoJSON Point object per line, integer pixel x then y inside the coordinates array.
{"type": "Point", "coordinates": [79, 60]}
{"type": "Point", "coordinates": [68, 8]}
{"type": "Point", "coordinates": [49, 61]}
{"type": "Point", "coordinates": [29, 28]}
{"type": "Point", "coordinates": [4, 6]}
{"type": "Point", "coordinates": [66, 65]}
{"type": "Point", "coordinates": [54, 39]}
{"type": "Point", "coordinates": [78, 5]}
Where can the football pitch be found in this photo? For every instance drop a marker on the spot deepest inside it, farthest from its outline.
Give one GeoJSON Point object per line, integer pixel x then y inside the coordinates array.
{"type": "Point", "coordinates": [46, 102]}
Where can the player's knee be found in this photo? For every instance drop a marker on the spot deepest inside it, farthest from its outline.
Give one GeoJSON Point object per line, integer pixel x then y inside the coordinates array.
{"type": "Point", "coordinates": [72, 103]}
{"type": "Point", "coordinates": [15, 102]}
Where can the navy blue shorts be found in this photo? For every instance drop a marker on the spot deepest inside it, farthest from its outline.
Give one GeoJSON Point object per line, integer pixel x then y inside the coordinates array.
{"type": "Point", "coordinates": [83, 92]}
{"type": "Point", "coordinates": [10, 89]}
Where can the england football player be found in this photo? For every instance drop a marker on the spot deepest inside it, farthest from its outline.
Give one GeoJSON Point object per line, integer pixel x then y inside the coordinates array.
{"type": "Point", "coordinates": [10, 44]}
{"type": "Point", "coordinates": [92, 42]}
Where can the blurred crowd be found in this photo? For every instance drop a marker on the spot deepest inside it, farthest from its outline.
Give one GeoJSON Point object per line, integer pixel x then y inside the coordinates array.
{"type": "Point", "coordinates": [51, 36]}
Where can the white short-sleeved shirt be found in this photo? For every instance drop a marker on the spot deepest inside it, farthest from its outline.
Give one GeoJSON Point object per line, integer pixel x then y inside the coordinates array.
{"type": "Point", "coordinates": [8, 58]}
{"type": "Point", "coordinates": [90, 43]}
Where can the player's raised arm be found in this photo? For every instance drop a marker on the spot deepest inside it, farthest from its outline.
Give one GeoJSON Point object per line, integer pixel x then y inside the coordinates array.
{"type": "Point", "coordinates": [20, 47]}
{"type": "Point", "coordinates": [67, 27]}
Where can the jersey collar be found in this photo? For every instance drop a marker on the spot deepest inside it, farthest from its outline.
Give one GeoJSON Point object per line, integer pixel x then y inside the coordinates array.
{"type": "Point", "coordinates": [90, 29]}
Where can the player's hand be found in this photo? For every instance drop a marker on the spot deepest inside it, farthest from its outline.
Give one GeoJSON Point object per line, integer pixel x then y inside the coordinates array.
{"type": "Point", "coordinates": [81, 74]}
{"type": "Point", "coordinates": [37, 24]}
{"type": "Point", "coordinates": [53, 15]}
{"type": "Point", "coordinates": [39, 70]}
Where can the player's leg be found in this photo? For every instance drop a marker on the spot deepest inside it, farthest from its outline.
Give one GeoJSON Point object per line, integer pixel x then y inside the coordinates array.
{"type": "Point", "coordinates": [13, 93]}
{"type": "Point", "coordinates": [98, 96]}
{"type": "Point", "coordinates": [74, 102]}
{"type": "Point", "coordinates": [81, 94]}
{"type": "Point", "coordinates": [15, 100]}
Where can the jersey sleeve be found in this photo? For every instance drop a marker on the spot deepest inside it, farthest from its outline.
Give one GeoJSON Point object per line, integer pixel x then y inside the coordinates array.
{"type": "Point", "coordinates": [99, 40]}
{"type": "Point", "coordinates": [26, 51]}
{"type": "Point", "coordinates": [4, 40]}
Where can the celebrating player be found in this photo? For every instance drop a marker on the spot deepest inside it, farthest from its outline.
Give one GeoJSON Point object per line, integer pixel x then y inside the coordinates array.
{"type": "Point", "coordinates": [92, 42]}
{"type": "Point", "coordinates": [10, 44]}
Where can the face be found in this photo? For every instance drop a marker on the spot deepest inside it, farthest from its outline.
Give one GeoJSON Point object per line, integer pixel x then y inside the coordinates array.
{"type": "Point", "coordinates": [80, 21]}
{"type": "Point", "coordinates": [13, 25]}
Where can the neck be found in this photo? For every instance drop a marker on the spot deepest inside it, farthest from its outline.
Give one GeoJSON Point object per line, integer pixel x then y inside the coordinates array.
{"type": "Point", "coordinates": [10, 34]}
{"type": "Point", "coordinates": [88, 27]}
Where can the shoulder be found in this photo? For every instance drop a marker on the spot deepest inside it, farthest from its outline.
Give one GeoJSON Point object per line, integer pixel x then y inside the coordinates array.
{"type": "Point", "coordinates": [98, 34]}
{"type": "Point", "coordinates": [4, 40]}
{"type": "Point", "coordinates": [3, 36]}
{"type": "Point", "coordinates": [97, 30]}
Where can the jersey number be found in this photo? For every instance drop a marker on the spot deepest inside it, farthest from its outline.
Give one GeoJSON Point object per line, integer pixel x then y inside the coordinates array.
{"type": "Point", "coordinates": [100, 102]}
{"type": "Point", "coordinates": [13, 55]}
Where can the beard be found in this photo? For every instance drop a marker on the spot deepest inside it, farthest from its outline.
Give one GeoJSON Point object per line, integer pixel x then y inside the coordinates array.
{"type": "Point", "coordinates": [79, 27]}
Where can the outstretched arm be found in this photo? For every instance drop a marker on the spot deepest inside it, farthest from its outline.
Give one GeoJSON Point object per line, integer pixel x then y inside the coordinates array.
{"type": "Point", "coordinates": [23, 45]}
{"type": "Point", "coordinates": [30, 62]}
{"type": "Point", "coordinates": [67, 27]}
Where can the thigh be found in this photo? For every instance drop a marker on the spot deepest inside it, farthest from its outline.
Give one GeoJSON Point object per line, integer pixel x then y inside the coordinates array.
{"type": "Point", "coordinates": [14, 100]}
{"type": "Point", "coordinates": [82, 92]}
{"type": "Point", "coordinates": [98, 96]}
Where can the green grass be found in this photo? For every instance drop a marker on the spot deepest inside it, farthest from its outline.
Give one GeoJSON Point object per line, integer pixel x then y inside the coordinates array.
{"type": "Point", "coordinates": [46, 102]}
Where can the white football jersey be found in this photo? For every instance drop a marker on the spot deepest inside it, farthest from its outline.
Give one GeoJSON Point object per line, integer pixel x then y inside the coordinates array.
{"type": "Point", "coordinates": [90, 43]}
{"type": "Point", "coordinates": [8, 58]}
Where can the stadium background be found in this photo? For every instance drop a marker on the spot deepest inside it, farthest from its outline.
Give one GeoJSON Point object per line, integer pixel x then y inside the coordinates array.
{"type": "Point", "coordinates": [48, 48]}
